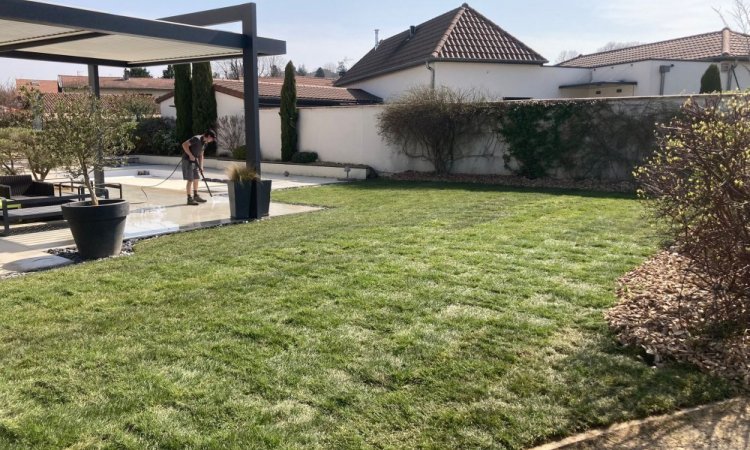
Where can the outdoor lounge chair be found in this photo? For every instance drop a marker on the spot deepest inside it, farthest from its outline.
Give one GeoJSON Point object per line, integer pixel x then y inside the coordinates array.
{"type": "Point", "coordinates": [21, 188]}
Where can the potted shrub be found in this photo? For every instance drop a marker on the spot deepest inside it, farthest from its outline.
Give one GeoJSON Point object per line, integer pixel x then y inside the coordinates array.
{"type": "Point", "coordinates": [82, 133]}
{"type": "Point", "coordinates": [244, 187]}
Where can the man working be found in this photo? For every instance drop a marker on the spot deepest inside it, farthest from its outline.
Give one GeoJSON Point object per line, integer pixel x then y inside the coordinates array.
{"type": "Point", "coordinates": [191, 161]}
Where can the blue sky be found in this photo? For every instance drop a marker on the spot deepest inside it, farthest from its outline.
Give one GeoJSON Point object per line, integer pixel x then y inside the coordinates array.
{"type": "Point", "coordinates": [327, 31]}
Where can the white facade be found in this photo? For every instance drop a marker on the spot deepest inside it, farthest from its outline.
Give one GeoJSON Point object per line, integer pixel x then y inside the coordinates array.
{"type": "Point", "coordinates": [498, 81]}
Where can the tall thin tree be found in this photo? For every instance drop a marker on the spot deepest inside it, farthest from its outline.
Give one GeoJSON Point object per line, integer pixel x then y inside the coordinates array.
{"type": "Point", "coordinates": [204, 100]}
{"type": "Point", "coordinates": [183, 102]}
{"type": "Point", "coordinates": [289, 114]}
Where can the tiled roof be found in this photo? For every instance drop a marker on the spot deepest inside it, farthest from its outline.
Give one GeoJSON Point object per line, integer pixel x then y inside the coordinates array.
{"type": "Point", "coordinates": [79, 82]}
{"type": "Point", "coordinates": [310, 90]}
{"type": "Point", "coordinates": [51, 100]}
{"type": "Point", "coordinates": [43, 86]}
{"type": "Point", "coordinates": [724, 44]}
{"type": "Point", "coordinates": [462, 35]}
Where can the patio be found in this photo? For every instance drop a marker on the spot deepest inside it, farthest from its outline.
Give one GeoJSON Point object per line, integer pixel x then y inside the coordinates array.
{"type": "Point", "coordinates": [154, 210]}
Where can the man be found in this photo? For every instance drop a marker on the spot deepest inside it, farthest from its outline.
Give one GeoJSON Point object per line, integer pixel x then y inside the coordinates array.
{"type": "Point", "coordinates": [191, 161]}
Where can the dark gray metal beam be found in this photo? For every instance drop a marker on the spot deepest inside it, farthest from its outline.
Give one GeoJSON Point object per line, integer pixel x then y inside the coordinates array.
{"type": "Point", "coordinates": [230, 14]}
{"type": "Point", "coordinates": [49, 41]}
{"type": "Point", "coordinates": [63, 58]}
{"type": "Point", "coordinates": [82, 19]}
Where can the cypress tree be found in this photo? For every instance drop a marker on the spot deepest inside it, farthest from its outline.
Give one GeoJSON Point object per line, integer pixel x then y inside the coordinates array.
{"type": "Point", "coordinates": [183, 101]}
{"type": "Point", "coordinates": [204, 101]}
{"type": "Point", "coordinates": [289, 114]}
{"type": "Point", "coordinates": [711, 80]}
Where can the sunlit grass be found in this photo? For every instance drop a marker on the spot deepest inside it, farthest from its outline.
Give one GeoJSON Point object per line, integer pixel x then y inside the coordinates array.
{"type": "Point", "coordinates": [402, 316]}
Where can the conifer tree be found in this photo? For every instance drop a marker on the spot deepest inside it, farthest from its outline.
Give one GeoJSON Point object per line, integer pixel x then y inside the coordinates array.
{"type": "Point", "coordinates": [289, 114]}
{"type": "Point", "coordinates": [711, 80]}
{"type": "Point", "coordinates": [204, 100]}
{"type": "Point", "coordinates": [183, 102]}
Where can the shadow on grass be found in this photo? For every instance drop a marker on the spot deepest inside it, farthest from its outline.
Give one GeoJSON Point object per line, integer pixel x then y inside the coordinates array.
{"type": "Point", "coordinates": [604, 383]}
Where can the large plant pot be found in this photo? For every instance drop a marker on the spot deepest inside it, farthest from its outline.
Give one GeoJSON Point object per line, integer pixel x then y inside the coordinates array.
{"type": "Point", "coordinates": [97, 230]}
{"type": "Point", "coordinates": [249, 200]}
{"type": "Point", "coordinates": [239, 199]}
{"type": "Point", "coordinates": [262, 198]}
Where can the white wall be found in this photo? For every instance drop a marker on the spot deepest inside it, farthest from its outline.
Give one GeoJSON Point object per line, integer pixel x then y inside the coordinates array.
{"type": "Point", "coordinates": [494, 80]}
{"type": "Point", "coordinates": [167, 108]}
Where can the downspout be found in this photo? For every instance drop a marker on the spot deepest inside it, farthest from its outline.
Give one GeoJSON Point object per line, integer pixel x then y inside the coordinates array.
{"type": "Point", "coordinates": [432, 70]}
{"type": "Point", "coordinates": [736, 80]}
{"type": "Point", "coordinates": [663, 71]}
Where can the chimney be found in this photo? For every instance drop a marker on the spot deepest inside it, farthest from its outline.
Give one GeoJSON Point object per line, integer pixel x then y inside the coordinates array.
{"type": "Point", "coordinates": [726, 41]}
{"type": "Point", "coordinates": [377, 35]}
{"type": "Point", "coordinates": [412, 31]}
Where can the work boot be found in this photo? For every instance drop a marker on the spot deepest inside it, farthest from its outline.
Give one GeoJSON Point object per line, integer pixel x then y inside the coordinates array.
{"type": "Point", "coordinates": [199, 199]}
{"type": "Point", "coordinates": [191, 201]}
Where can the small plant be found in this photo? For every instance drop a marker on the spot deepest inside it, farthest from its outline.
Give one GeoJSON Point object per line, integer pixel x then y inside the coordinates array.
{"type": "Point", "coordinates": [241, 174]}
{"type": "Point", "coordinates": [239, 152]}
{"type": "Point", "coordinates": [304, 157]}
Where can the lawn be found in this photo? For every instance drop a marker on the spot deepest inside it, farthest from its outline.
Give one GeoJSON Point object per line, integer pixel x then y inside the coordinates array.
{"type": "Point", "coordinates": [402, 316]}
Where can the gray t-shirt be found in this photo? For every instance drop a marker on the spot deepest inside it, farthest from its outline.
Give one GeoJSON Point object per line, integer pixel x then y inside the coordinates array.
{"type": "Point", "coordinates": [196, 146]}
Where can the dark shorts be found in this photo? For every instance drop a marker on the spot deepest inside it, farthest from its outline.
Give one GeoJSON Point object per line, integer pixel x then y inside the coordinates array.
{"type": "Point", "coordinates": [190, 170]}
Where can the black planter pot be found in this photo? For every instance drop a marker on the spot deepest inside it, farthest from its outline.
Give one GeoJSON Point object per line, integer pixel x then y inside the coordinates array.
{"type": "Point", "coordinates": [97, 230]}
{"type": "Point", "coordinates": [262, 197]}
{"type": "Point", "coordinates": [239, 199]}
{"type": "Point", "coordinates": [249, 200]}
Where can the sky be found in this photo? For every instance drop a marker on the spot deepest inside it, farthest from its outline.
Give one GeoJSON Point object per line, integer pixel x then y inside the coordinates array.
{"type": "Point", "coordinates": [328, 31]}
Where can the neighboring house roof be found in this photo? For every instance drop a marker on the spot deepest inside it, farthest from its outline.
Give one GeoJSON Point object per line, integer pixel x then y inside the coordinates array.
{"type": "Point", "coordinates": [717, 46]}
{"type": "Point", "coordinates": [80, 82]}
{"type": "Point", "coordinates": [51, 100]}
{"type": "Point", "coordinates": [310, 92]}
{"type": "Point", "coordinates": [460, 35]}
{"type": "Point", "coordinates": [43, 86]}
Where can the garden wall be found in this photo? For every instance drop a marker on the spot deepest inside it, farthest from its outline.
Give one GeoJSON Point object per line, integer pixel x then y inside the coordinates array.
{"type": "Point", "coordinates": [349, 135]}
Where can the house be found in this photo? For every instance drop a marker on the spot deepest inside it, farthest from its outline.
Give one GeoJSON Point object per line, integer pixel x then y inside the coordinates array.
{"type": "Point", "coordinates": [155, 87]}
{"type": "Point", "coordinates": [43, 86]}
{"type": "Point", "coordinates": [311, 91]}
{"type": "Point", "coordinates": [461, 49]}
{"type": "Point", "coordinates": [662, 68]}
{"type": "Point", "coordinates": [464, 50]}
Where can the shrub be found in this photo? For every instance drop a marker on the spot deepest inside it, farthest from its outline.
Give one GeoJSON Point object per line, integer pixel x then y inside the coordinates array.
{"type": "Point", "coordinates": [155, 137]}
{"type": "Point", "coordinates": [230, 131]}
{"type": "Point", "coordinates": [304, 157]}
{"type": "Point", "coordinates": [434, 124]}
{"type": "Point", "coordinates": [239, 152]}
{"type": "Point", "coordinates": [711, 80]}
{"type": "Point", "coordinates": [698, 181]}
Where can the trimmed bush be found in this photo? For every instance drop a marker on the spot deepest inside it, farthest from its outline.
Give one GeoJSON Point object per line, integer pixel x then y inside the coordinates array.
{"type": "Point", "coordinates": [304, 157]}
{"type": "Point", "coordinates": [698, 182]}
{"type": "Point", "coordinates": [239, 152]}
{"type": "Point", "coordinates": [156, 136]}
{"type": "Point", "coordinates": [711, 80]}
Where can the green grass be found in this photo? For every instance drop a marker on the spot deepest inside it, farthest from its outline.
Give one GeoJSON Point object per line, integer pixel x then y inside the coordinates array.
{"type": "Point", "coordinates": [403, 316]}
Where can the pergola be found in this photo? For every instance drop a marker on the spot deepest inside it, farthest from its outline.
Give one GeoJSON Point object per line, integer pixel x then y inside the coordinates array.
{"type": "Point", "coordinates": [47, 32]}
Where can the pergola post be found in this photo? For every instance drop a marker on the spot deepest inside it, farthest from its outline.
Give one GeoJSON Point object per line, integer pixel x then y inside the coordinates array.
{"type": "Point", "coordinates": [251, 103]}
{"type": "Point", "coordinates": [96, 92]}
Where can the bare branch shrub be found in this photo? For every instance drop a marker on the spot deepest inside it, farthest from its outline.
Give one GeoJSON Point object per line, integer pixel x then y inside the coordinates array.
{"type": "Point", "coordinates": [436, 125]}
{"type": "Point", "coordinates": [699, 182]}
{"type": "Point", "coordinates": [231, 131]}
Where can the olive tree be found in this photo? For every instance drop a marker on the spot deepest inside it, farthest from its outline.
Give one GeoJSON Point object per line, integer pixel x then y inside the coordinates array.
{"type": "Point", "coordinates": [85, 131]}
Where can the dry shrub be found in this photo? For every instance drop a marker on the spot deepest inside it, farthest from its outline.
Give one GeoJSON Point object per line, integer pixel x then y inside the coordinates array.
{"type": "Point", "coordinates": [436, 125]}
{"type": "Point", "coordinates": [698, 181]}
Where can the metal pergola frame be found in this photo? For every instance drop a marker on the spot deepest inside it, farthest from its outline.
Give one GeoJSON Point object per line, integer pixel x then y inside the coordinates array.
{"type": "Point", "coordinates": [86, 25]}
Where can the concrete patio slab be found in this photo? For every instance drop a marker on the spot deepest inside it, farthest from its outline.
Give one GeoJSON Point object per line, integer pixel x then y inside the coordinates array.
{"type": "Point", "coordinates": [154, 210]}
